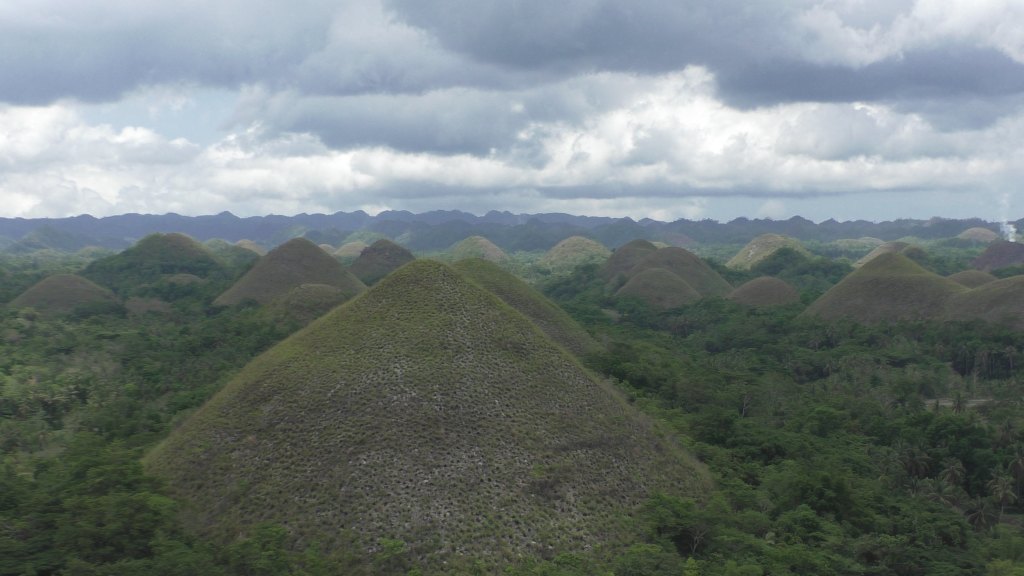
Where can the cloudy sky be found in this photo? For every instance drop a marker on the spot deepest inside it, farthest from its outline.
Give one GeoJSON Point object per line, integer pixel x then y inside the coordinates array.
{"type": "Point", "coordinates": [874, 109]}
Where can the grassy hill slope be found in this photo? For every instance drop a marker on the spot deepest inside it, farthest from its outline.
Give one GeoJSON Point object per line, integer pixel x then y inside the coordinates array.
{"type": "Point", "coordinates": [425, 412]}
{"type": "Point", "coordinates": [1001, 301]}
{"type": "Point", "coordinates": [890, 287]}
{"type": "Point", "coordinates": [765, 291]}
{"type": "Point", "coordinates": [477, 247]}
{"type": "Point", "coordinates": [551, 319]}
{"type": "Point", "coordinates": [378, 260]}
{"type": "Point", "coordinates": [624, 258]}
{"type": "Point", "coordinates": [62, 293]}
{"type": "Point", "coordinates": [574, 251]}
{"type": "Point", "coordinates": [972, 278]}
{"type": "Point", "coordinates": [290, 265]}
{"type": "Point", "coordinates": [762, 247]}
{"type": "Point", "coordinates": [150, 260]}
{"type": "Point", "coordinates": [1000, 254]}
{"type": "Point", "coordinates": [687, 266]}
{"type": "Point", "coordinates": [659, 288]}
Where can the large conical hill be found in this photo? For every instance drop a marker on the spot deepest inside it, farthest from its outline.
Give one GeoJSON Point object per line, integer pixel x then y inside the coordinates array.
{"type": "Point", "coordinates": [659, 288]}
{"type": "Point", "coordinates": [978, 234]}
{"type": "Point", "coordinates": [292, 264]}
{"type": "Point", "coordinates": [765, 291]}
{"type": "Point", "coordinates": [425, 411]}
{"type": "Point", "coordinates": [895, 247]}
{"type": "Point", "coordinates": [151, 259]}
{"type": "Point", "coordinates": [378, 260]}
{"type": "Point", "coordinates": [574, 251]}
{"type": "Point", "coordinates": [551, 319]}
{"type": "Point", "coordinates": [761, 248]}
{"type": "Point", "coordinates": [890, 287]}
{"type": "Point", "coordinates": [1000, 254]}
{"type": "Point", "coordinates": [687, 266]}
{"type": "Point", "coordinates": [972, 278]}
{"type": "Point", "coordinates": [1001, 301]}
{"type": "Point", "coordinates": [349, 251]}
{"type": "Point", "coordinates": [624, 258]}
{"type": "Point", "coordinates": [477, 247]}
{"type": "Point", "coordinates": [62, 293]}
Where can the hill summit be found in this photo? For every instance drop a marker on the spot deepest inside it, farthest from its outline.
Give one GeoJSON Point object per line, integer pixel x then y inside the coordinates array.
{"type": "Point", "coordinates": [292, 264]}
{"type": "Point", "coordinates": [761, 248]}
{"type": "Point", "coordinates": [151, 259]}
{"type": "Point", "coordinates": [378, 260]}
{"type": "Point", "coordinates": [62, 293]}
{"type": "Point", "coordinates": [429, 412]}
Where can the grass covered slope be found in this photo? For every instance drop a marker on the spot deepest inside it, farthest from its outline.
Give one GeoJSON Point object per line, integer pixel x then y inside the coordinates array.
{"type": "Point", "coordinates": [574, 251]}
{"type": "Point", "coordinates": [687, 266]}
{"type": "Point", "coordinates": [978, 234]}
{"type": "Point", "coordinates": [1001, 301]}
{"type": "Point", "coordinates": [425, 411]}
{"type": "Point", "coordinates": [897, 247]}
{"type": "Point", "coordinates": [972, 278]}
{"type": "Point", "coordinates": [151, 259]}
{"type": "Point", "coordinates": [762, 247]}
{"type": "Point", "coordinates": [551, 319]}
{"type": "Point", "coordinates": [378, 260]}
{"type": "Point", "coordinates": [625, 258]}
{"type": "Point", "coordinates": [62, 293]}
{"type": "Point", "coordinates": [477, 247]}
{"type": "Point", "coordinates": [296, 262]}
{"type": "Point", "coordinates": [890, 287]}
{"type": "Point", "coordinates": [765, 291]}
{"type": "Point", "coordinates": [1000, 254]}
{"type": "Point", "coordinates": [659, 288]}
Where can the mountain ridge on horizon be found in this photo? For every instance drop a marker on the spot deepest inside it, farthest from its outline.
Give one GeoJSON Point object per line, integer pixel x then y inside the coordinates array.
{"type": "Point", "coordinates": [438, 229]}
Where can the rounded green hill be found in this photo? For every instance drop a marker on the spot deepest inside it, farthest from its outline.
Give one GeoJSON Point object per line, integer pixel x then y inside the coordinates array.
{"type": "Point", "coordinates": [551, 319]}
{"type": "Point", "coordinates": [972, 278]}
{"type": "Point", "coordinates": [624, 258]}
{"type": "Point", "coordinates": [1000, 254]}
{"type": "Point", "coordinates": [687, 266]}
{"type": "Point", "coordinates": [425, 411]}
{"type": "Point", "coordinates": [349, 251]}
{"type": "Point", "coordinates": [659, 288]}
{"type": "Point", "coordinates": [378, 260]}
{"type": "Point", "coordinates": [151, 259]}
{"type": "Point", "coordinates": [477, 247]}
{"type": "Point", "coordinates": [761, 248]}
{"type": "Point", "coordinates": [1001, 301]}
{"type": "Point", "coordinates": [62, 293]}
{"type": "Point", "coordinates": [896, 247]}
{"type": "Point", "coordinates": [574, 251]}
{"type": "Point", "coordinates": [890, 287]}
{"type": "Point", "coordinates": [765, 291]}
{"type": "Point", "coordinates": [291, 264]}
{"type": "Point", "coordinates": [978, 234]}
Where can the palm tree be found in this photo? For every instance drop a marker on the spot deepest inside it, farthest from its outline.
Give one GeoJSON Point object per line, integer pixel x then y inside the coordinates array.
{"type": "Point", "coordinates": [1001, 489]}
{"type": "Point", "coordinates": [953, 472]}
{"type": "Point", "coordinates": [980, 514]}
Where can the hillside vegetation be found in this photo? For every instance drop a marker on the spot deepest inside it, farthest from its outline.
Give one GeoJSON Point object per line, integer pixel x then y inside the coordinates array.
{"type": "Point", "coordinates": [765, 291]}
{"type": "Point", "coordinates": [429, 413]}
{"type": "Point", "coordinates": [288, 266]}
{"type": "Point", "coordinates": [150, 260]}
{"type": "Point", "coordinates": [378, 260]}
{"type": "Point", "coordinates": [63, 293]}
{"type": "Point", "coordinates": [762, 247]}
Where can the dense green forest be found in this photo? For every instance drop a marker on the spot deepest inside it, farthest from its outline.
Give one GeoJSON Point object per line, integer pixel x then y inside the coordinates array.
{"type": "Point", "coordinates": [835, 447]}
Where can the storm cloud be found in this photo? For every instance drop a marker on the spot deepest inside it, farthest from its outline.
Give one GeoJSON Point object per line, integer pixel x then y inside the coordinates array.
{"type": "Point", "coordinates": [640, 108]}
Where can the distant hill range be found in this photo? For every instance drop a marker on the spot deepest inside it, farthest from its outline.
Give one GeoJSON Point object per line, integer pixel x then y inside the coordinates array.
{"type": "Point", "coordinates": [438, 230]}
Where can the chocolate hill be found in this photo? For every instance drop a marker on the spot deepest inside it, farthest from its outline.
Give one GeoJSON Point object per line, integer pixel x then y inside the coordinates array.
{"type": "Point", "coordinates": [972, 278]}
{"type": "Point", "coordinates": [762, 247]}
{"type": "Point", "coordinates": [659, 288]}
{"type": "Point", "coordinates": [477, 247]}
{"type": "Point", "coordinates": [296, 262]}
{"type": "Point", "coordinates": [551, 319]}
{"type": "Point", "coordinates": [425, 411]}
{"type": "Point", "coordinates": [1000, 254]}
{"type": "Point", "coordinates": [765, 291]}
{"type": "Point", "coordinates": [152, 259]}
{"type": "Point", "coordinates": [574, 251]}
{"type": "Point", "coordinates": [378, 260]}
{"type": "Point", "coordinates": [62, 293]}
{"type": "Point", "coordinates": [687, 266]}
{"type": "Point", "coordinates": [624, 259]}
{"type": "Point", "coordinates": [1001, 302]}
{"type": "Point", "coordinates": [888, 288]}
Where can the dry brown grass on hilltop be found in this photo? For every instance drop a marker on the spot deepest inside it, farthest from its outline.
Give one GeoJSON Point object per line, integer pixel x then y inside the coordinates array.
{"type": "Point", "coordinates": [551, 319]}
{"type": "Point", "coordinates": [291, 264]}
{"type": "Point", "coordinates": [477, 247]}
{"type": "Point", "coordinates": [897, 247]}
{"type": "Point", "coordinates": [687, 266]}
{"type": "Point", "coordinates": [1000, 254]}
{"type": "Point", "coordinates": [659, 288]}
{"type": "Point", "coordinates": [977, 234]}
{"type": "Point", "coordinates": [972, 278]}
{"type": "Point", "coordinates": [429, 412]}
{"type": "Point", "coordinates": [765, 291]}
{"type": "Point", "coordinates": [378, 260]}
{"type": "Point", "coordinates": [890, 287]}
{"type": "Point", "coordinates": [761, 248]}
{"type": "Point", "coordinates": [62, 293]}
{"type": "Point", "coordinates": [624, 258]}
{"type": "Point", "coordinates": [574, 251]}
{"type": "Point", "coordinates": [1001, 301]}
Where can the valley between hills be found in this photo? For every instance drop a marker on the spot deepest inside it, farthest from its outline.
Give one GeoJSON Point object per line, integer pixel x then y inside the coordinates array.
{"type": "Point", "coordinates": [542, 395]}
